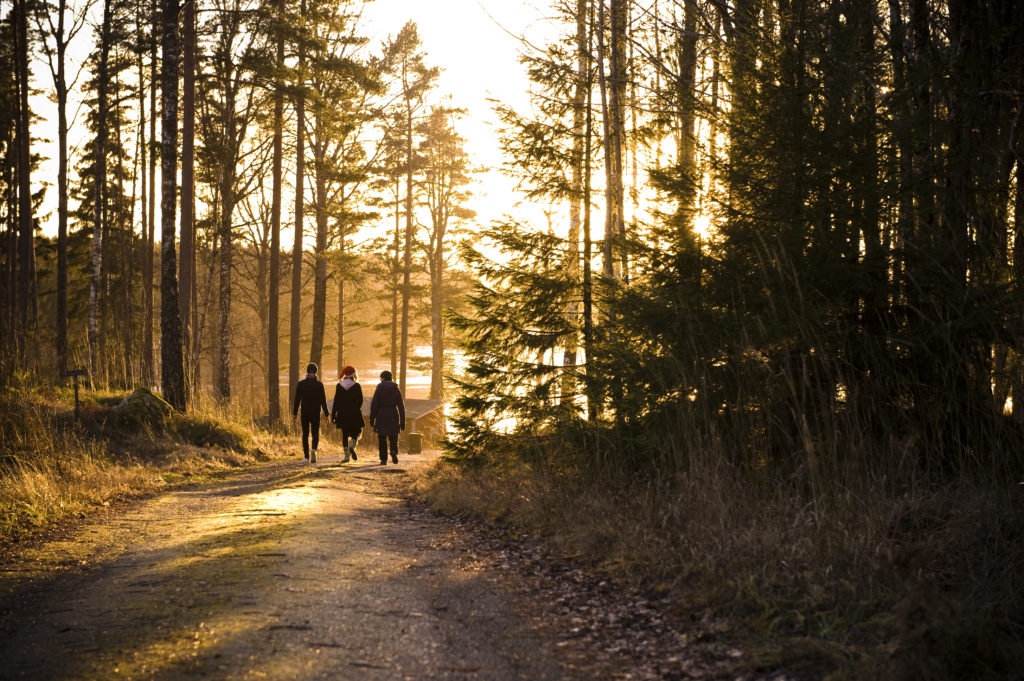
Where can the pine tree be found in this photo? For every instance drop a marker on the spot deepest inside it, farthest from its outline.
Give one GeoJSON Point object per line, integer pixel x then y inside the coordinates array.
{"type": "Point", "coordinates": [56, 37]}
{"type": "Point", "coordinates": [404, 59]}
{"type": "Point", "coordinates": [445, 176]}
{"type": "Point", "coordinates": [341, 113]}
{"type": "Point", "coordinates": [511, 334]}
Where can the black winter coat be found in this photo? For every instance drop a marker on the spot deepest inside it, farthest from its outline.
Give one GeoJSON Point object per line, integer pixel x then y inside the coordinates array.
{"type": "Point", "coordinates": [347, 410]}
{"type": "Point", "coordinates": [310, 395]}
{"type": "Point", "coordinates": [387, 409]}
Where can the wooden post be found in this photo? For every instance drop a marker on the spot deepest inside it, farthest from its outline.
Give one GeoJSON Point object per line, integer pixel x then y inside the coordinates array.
{"type": "Point", "coordinates": [75, 373]}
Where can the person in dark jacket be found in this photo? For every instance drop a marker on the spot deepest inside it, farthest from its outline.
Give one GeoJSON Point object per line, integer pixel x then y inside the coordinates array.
{"type": "Point", "coordinates": [387, 416]}
{"type": "Point", "coordinates": [347, 411]}
{"type": "Point", "coordinates": [310, 395]}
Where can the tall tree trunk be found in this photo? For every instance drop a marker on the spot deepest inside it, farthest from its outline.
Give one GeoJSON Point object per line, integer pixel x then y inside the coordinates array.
{"type": "Point", "coordinates": [618, 77]}
{"type": "Point", "coordinates": [1017, 376]}
{"type": "Point", "coordinates": [186, 264]}
{"type": "Point", "coordinates": [606, 119]}
{"type": "Point", "coordinates": [686, 54]}
{"type": "Point", "coordinates": [437, 321]}
{"type": "Point", "coordinates": [588, 290]}
{"type": "Point", "coordinates": [223, 364]}
{"type": "Point", "coordinates": [316, 344]}
{"type": "Point", "coordinates": [300, 168]}
{"type": "Point", "coordinates": [124, 235]}
{"type": "Point", "coordinates": [407, 253]}
{"type": "Point", "coordinates": [874, 304]}
{"type": "Point", "coordinates": [26, 246]}
{"type": "Point", "coordinates": [172, 371]}
{"type": "Point", "coordinates": [341, 314]}
{"type": "Point", "coordinates": [150, 236]}
{"type": "Point", "coordinates": [579, 101]}
{"type": "Point", "coordinates": [904, 150]}
{"type": "Point", "coordinates": [61, 87]}
{"type": "Point", "coordinates": [394, 279]}
{"type": "Point", "coordinates": [99, 198]}
{"type": "Point", "coordinates": [274, 293]}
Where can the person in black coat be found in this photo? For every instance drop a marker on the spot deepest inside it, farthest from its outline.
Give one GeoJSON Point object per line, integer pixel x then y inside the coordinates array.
{"type": "Point", "coordinates": [310, 395]}
{"type": "Point", "coordinates": [387, 416]}
{"type": "Point", "coordinates": [347, 411]}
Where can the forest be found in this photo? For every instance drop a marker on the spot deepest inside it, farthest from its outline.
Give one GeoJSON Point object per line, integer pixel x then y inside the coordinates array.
{"type": "Point", "coordinates": [771, 329]}
{"type": "Point", "coordinates": [188, 295]}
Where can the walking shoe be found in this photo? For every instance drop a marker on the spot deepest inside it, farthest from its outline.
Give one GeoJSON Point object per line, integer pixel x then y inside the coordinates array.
{"type": "Point", "coordinates": [353, 450]}
{"type": "Point", "coordinates": [383, 462]}
{"type": "Point", "coordinates": [312, 456]}
{"type": "Point", "coordinates": [394, 459]}
{"type": "Point", "coordinates": [306, 459]}
{"type": "Point", "coordinates": [346, 459]}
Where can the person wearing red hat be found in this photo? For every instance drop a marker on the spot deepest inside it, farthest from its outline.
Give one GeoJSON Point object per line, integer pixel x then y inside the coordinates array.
{"type": "Point", "coordinates": [347, 411]}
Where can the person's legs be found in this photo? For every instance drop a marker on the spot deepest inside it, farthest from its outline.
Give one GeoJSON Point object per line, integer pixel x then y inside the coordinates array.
{"type": "Point", "coordinates": [350, 443]}
{"type": "Point", "coordinates": [394, 448]}
{"type": "Point", "coordinates": [305, 436]}
{"type": "Point", "coordinates": [345, 437]}
{"type": "Point", "coordinates": [315, 426]}
{"type": "Point", "coordinates": [382, 447]}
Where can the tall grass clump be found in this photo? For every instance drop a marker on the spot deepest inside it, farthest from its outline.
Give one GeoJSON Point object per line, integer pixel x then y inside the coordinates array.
{"type": "Point", "coordinates": [53, 467]}
{"type": "Point", "coordinates": [50, 468]}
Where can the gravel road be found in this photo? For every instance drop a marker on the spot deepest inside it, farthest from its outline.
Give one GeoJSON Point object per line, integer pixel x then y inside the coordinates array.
{"type": "Point", "coordinates": [287, 571]}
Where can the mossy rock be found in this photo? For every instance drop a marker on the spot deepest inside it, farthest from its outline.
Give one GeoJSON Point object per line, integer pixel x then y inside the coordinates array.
{"type": "Point", "coordinates": [143, 409]}
{"type": "Point", "coordinates": [205, 431]}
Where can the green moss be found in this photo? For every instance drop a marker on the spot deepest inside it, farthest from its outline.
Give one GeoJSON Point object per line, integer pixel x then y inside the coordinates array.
{"type": "Point", "coordinates": [143, 409]}
{"type": "Point", "coordinates": [205, 431]}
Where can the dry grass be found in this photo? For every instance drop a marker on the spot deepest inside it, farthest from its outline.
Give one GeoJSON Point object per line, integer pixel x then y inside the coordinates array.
{"type": "Point", "coordinates": [52, 467]}
{"type": "Point", "coordinates": [923, 585]}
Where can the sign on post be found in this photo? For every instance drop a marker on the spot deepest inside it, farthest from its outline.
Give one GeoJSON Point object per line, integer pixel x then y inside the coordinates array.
{"type": "Point", "coordinates": [75, 373]}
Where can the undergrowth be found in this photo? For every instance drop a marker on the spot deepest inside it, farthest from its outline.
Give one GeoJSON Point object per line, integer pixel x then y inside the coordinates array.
{"type": "Point", "coordinates": [864, 584]}
{"type": "Point", "coordinates": [53, 466]}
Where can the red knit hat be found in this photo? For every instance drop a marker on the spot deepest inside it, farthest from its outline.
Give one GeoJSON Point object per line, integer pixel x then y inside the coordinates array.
{"type": "Point", "coordinates": [348, 371]}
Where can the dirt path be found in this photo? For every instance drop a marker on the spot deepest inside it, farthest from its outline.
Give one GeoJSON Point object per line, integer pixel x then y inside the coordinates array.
{"type": "Point", "coordinates": [288, 571]}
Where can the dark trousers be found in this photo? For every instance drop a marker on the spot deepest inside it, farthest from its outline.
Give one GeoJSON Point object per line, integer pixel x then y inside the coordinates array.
{"type": "Point", "coordinates": [386, 441]}
{"type": "Point", "coordinates": [310, 423]}
{"type": "Point", "coordinates": [347, 435]}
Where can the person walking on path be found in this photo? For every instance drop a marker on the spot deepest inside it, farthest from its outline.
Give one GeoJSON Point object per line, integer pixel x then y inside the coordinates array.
{"type": "Point", "coordinates": [310, 395]}
{"type": "Point", "coordinates": [347, 411]}
{"type": "Point", "coordinates": [387, 416]}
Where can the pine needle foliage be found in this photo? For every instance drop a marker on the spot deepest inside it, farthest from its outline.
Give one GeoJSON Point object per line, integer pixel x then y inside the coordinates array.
{"type": "Point", "coordinates": [515, 322]}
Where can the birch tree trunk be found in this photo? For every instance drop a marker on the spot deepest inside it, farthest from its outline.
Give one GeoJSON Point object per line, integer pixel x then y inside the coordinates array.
{"type": "Point", "coordinates": [579, 101]}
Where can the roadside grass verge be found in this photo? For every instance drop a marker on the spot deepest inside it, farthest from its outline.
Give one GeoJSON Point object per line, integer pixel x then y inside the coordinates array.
{"type": "Point", "coordinates": [54, 467]}
{"type": "Point", "coordinates": [867, 584]}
